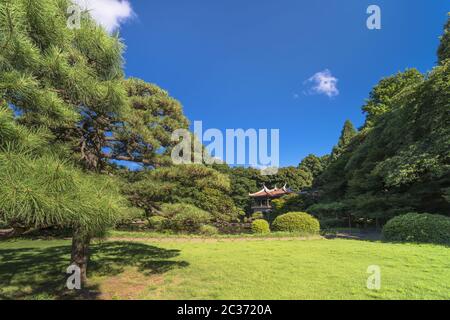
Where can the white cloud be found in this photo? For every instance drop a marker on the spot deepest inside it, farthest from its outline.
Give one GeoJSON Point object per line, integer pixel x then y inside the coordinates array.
{"type": "Point", "coordinates": [323, 82]}
{"type": "Point", "coordinates": [108, 13]}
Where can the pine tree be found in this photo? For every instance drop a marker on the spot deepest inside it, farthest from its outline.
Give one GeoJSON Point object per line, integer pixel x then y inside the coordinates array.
{"type": "Point", "coordinates": [64, 103]}
{"type": "Point", "coordinates": [39, 189]}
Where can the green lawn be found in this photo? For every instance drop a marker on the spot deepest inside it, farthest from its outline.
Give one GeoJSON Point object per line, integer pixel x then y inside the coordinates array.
{"type": "Point", "coordinates": [224, 269]}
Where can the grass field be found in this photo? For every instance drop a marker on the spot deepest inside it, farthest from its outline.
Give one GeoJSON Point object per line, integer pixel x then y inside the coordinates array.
{"type": "Point", "coordinates": [224, 269]}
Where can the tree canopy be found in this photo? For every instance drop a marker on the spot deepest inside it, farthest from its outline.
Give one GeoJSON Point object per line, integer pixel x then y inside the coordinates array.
{"type": "Point", "coordinates": [400, 161]}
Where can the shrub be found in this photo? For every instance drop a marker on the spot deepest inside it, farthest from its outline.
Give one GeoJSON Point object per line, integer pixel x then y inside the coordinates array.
{"type": "Point", "coordinates": [296, 222]}
{"type": "Point", "coordinates": [260, 226]}
{"type": "Point", "coordinates": [418, 227]}
{"type": "Point", "coordinates": [185, 217]}
{"type": "Point", "coordinates": [257, 215]}
{"type": "Point", "coordinates": [333, 223]}
{"type": "Point", "coordinates": [157, 223]}
{"type": "Point", "coordinates": [208, 230]}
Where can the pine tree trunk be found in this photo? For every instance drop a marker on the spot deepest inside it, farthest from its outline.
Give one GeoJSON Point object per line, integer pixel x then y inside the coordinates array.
{"type": "Point", "coordinates": [80, 253]}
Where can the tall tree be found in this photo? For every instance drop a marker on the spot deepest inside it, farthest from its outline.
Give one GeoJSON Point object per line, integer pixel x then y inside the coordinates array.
{"type": "Point", "coordinates": [199, 185]}
{"type": "Point", "coordinates": [347, 134]}
{"type": "Point", "coordinates": [39, 189]}
{"type": "Point", "coordinates": [444, 47]}
{"type": "Point", "coordinates": [314, 164]}
{"type": "Point", "coordinates": [383, 96]}
{"type": "Point", "coordinates": [63, 83]}
{"type": "Point", "coordinates": [401, 161]}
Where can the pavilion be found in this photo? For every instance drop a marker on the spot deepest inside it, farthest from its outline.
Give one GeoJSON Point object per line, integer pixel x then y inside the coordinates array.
{"type": "Point", "coordinates": [262, 200]}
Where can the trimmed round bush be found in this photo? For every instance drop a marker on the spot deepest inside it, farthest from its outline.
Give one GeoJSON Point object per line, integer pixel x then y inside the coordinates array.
{"type": "Point", "coordinates": [418, 227]}
{"type": "Point", "coordinates": [208, 230]}
{"type": "Point", "coordinates": [260, 226]}
{"type": "Point", "coordinates": [296, 222]}
{"type": "Point", "coordinates": [157, 222]}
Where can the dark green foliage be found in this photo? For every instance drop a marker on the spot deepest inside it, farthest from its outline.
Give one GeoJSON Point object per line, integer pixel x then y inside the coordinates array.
{"type": "Point", "coordinates": [418, 227]}
{"type": "Point", "coordinates": [143, 133]}
{"type": "Point", "coordinates": [260, 226]}
{"type": "Point", "coordinates": [326, 210]}
{"type": "Point", "coordinates": [314, 165]}
{"type": "Point", "coordinates": [184, 217]}
{"type": "Point", "coordinates": [384, 96]}
{"type": "Point", "coordinates": [294, 178]}
{"type": "Point", "coordinates": [242, 182]}
{"type": "Point", "coordinates": [347, 134]}
{"type": "Point", "coordinates": [400, 161]}
{"type": "Point", "coordinates": [444, 47]}
{"type": "Point", "coordinates": [296, 222]}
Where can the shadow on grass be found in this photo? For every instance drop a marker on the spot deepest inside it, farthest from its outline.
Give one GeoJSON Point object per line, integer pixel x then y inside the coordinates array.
{"type": "Point", "coordinates": [39, 273]}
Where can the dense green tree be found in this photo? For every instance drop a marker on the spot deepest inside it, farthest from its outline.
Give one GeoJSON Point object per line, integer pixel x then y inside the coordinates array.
{"type": "Point", "coordinates": [401, 162]}
{"type": "Point", "coordinates": [198, 185]}
{"type": "Point", "coordinates": [243, 181]}
{"type": "Point", "coordinates": [39, 189]}
{"type": "Point", "coordinates": [347, 134]}
{"type": "Point", "coordinates": [444, 47]}
{"type": "Point", "coordinates": [143, 133]}
{"type": "Point", "coordinates": [69, 84]}
{"type": "Point", "coordinates": [383, 96]}
{"type": "Point", "coordinates": [314, 164]}
{"type": "Point", "coordinates": [293, 177]}
{"type": "Point", "coordinates": [71, 81]}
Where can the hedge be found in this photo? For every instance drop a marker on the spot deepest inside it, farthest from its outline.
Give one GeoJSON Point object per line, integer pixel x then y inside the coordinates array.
{"type": "Point", "coordinates": [296, 222]}
{"type": "Point", "coordinates": [418, 227]}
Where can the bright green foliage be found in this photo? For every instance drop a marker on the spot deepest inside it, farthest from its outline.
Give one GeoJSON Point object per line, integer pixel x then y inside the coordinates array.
{"type": "Point", "coordinates": [296, 222]}
{"type": "Point", "coordinates": [38, 189]}
{"type": "Point", "coordinates": [157, 223]}
{"type": "Point", "coordinates": [197, 185]}
{"type": "Point", "coordinates": [49, 71]}
{"type": "Point", "coordinates": [288, 203]}
{"type": "Point", "coordinates": [418, 227]}
{"type": "Point", "coordinates": [143, 134]}
{"type": "Point", "coordinates": [208, 230]}
{"type": "Point", "coordinates": [71, 81]}
{"type": "Point", "coordinates": [257, 215]}
{"type": "Point", "coordinates": [295, 270]}
{"type": "Point", "coordinates": [260, 226]}
{"type": "Point", "coordinates": [184, 217]}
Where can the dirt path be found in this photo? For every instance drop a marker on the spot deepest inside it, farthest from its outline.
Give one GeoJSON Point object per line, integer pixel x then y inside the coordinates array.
{"type": "Point", "coordinates": [209, 240]}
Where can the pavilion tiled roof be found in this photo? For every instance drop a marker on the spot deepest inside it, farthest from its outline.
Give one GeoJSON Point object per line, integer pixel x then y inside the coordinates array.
{"type": "Point", "coordinates": [275, 192]}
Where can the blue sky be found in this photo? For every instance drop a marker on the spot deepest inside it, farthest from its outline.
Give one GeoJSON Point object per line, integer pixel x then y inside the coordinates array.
{"type": "Point", "coordinates": [245, 64]}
